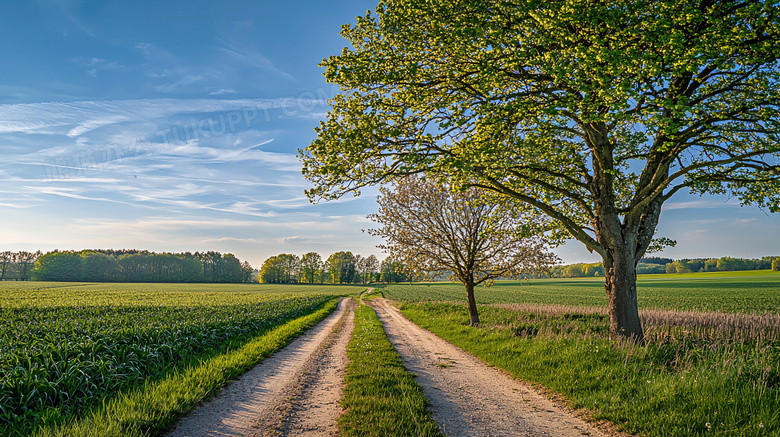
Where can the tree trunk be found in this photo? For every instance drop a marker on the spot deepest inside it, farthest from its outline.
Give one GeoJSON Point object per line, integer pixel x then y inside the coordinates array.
{"type": "Point", "coordinates": [620, 285]}
{"type": "Point", "coordinates": [473, 314]}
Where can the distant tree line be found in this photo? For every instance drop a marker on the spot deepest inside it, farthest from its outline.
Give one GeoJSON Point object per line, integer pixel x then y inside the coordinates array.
{"type": "Point", "coordinates": [339, 268]}
{"type": "Point", "coordinates": [652, 265]}
{"type": "Point", "coordinates": [17, 266]}
{"type": "Point", "coordinates": [140, 266]}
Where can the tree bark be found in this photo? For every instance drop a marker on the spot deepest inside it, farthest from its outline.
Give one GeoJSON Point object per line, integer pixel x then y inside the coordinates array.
{"type": "Point", "coordinates": [621, 247]}
{"type": "Point", "coordinates": [473, 313]}
{"type": "Point", "coordinates": [620, 285]}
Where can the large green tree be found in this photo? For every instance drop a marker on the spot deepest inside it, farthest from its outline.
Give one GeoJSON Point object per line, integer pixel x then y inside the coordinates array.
{"type": "Point", "coordinates": [594, 113]}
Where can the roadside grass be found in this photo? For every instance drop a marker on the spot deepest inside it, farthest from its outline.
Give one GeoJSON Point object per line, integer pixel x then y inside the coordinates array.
{"type": "Point", "coordinates": [381, 396]}
{"type": "Point", "coordinates": [684, 381]}
{"type": "Point", "coordinates": [155, 407]}
{"type": "Point", "coordinates": [749, 292]}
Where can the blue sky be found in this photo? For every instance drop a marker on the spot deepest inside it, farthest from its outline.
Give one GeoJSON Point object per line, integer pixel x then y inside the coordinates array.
{"type": "Point", "coordinates": [174, 126]}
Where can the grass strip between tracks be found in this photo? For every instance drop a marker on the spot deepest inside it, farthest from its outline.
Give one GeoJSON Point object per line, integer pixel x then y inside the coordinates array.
{"type": "Point", "coordinates": [157, 407]}
{"type": "Point", "coordinates": [381, 396]}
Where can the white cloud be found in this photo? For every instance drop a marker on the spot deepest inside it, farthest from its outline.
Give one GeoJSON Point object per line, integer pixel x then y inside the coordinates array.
{"type": "Point", "coordinates": [95, 124]}
{"type": "Point", "coordinates": [19, 205]}
{"type": "Point", "coordinates": [223, 91]}
{"type": "Point", "coordinates": [244, 55]}
{"type": "Point", "coordinates": [85, 116]}
{"type": "Point", "coordinates": [281, 161]}
{"type": "Point", "coordinates": [184, 84]}
{"type": "Point", "coordinates": [697, 204]}
{"type": "Point", "coordinates": [73, 194]}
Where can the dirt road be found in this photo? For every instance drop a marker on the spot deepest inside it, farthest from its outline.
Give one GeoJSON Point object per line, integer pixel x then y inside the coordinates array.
{"type": "Point", "coordinates": [294, 392]}
{"type": "Point", "coordinates": [469, 398]}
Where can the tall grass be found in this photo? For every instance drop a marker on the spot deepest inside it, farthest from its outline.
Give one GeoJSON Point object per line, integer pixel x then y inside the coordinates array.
{"type": "Point", "coordinates": [697, 374]}
{"type": "Point", "coordinates": [669, 325]}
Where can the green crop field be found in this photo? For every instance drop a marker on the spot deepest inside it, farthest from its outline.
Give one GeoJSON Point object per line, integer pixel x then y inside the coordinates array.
{"type": "Point", "coordinates": [750, 292]}
{"type": "Point", "coordinates": [67, 347]}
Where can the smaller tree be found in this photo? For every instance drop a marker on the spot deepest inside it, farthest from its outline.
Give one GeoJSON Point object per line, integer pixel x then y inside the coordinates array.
{"type": "Point", "coordinates": [7, 259]}
{"type": "Point", "coordinates": [271, 272]}
{"type": "Point", "coordinates": [280, 269]}
{"type": "Point", "coordinates": [695, 265]}
{"type": "Point", "coordinates": [311, 263]}
{"type": "Point", "coordinates": [728, 264]}
{"type": "Point", "coordinates": [435, 230]}
{"type": "Point", "coordinates": [573, 271]}
{"type": "Point", "coordinates": [371, 267]}
{"type": "Point", "coordinates": [595, 269]}
{"type": "Point", "coordinates": [230, 269]}
{"type": "Point", "coordinates": [776, 264]}
{"type": "Point", "coordinates": [58, 266]}
{"type": "Point", "coordinates": [246, 272]}
{"type": "Point", "coordinates": [341, 266]}
{"type": "Point", "coordinates": [681, 266]}
{"type": "Point", "coordinates": [360, 268]}
{"type": "Point", "coordinates": [98, 267]}
{"type": "Point", "coordinates": [392, 271]}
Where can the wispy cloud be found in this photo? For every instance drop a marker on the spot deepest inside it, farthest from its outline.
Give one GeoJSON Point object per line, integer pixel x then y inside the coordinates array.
{"type": "Point", "coordinates": [705, 221]}
{"type": "Point", "coordinates": [190, 82]}
{"type": "Point", "coordinates": [20, 204]}
{"type": "Point", "coordinates": [67, 9]}
{"type": "Point", "coordinates": [243, 55]}
{"type": "Point", "coordinates": [238, 44]}
{"type": "Point", "coordinates": [94, 65]}
{"type": "Point", "coordinates": [669, 206]}
{"type": "Point", "coordinates": [222, 91]}
{"type": "Point", "coordinates": [281, 161]}
{"type": "Point", "coordinates": [95, 124]}
{"type": "Point", "coordinates": [74, 194]}
{"type": "Point", "coordinates": [85, 116]}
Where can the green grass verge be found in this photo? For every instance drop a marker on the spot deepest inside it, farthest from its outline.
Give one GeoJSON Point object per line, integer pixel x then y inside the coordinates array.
{"type": "Point", "coordinates": [683, 386]}
{"type": "Point", "coordinates": [381, 397]}
{"type": "Point", "coordinates": [156, 407]}
{"type": "Point", "coordinates": [746, 292]}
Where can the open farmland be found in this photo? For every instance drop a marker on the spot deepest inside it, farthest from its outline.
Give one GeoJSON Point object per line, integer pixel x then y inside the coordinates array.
{"type": "Point", "coordinates": [65, 347]}
{"type": "Point", "coordinates": [749, 292]}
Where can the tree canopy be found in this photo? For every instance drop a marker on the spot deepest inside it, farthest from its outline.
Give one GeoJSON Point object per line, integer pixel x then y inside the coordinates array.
{"type": "Point", "coordinates": [592, 113]}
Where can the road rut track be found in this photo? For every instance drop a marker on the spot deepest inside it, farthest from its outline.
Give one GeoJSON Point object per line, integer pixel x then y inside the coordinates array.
{"type": "Point", "coordinates": [294, 392]}
{"type": "Point", "coordinates": [467, 397]}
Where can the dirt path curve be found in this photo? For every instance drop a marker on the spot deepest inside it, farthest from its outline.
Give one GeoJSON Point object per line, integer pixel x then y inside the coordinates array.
{"type": "Point", "coordinates": [294, 392]}
{"type": "Point", "coordinates": [469, 398]}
